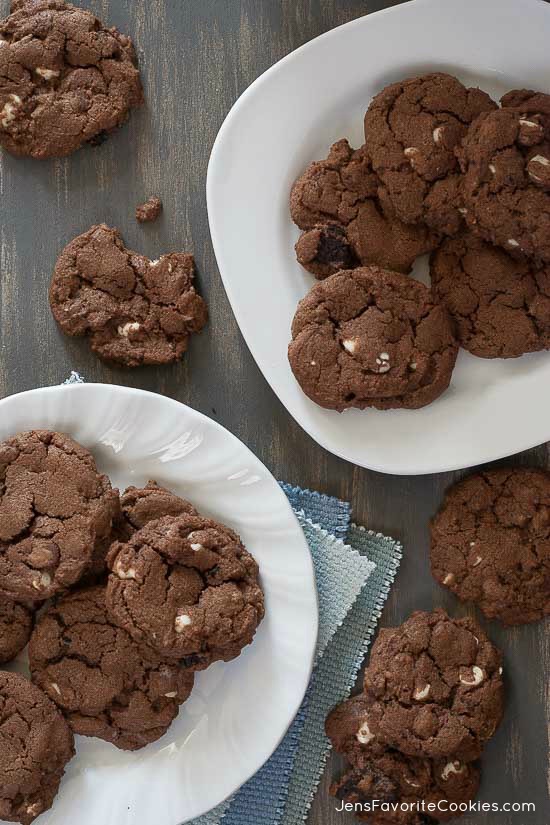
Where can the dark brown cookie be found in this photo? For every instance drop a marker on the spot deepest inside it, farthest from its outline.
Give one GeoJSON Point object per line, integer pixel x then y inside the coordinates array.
{"type": "Point", "coordinates": [186, 586]}
{"type": "Point", "coordinates": [500, 305]}
{"type": "Point", "coordinates": [15, 629]}
{"type": "Point", "coordinates": [491, 543]}
{"type": "Point", "coordinates": [106, 684]}
{"type": "Point", "coordinates": [65, 79]}
{"type": "Point", "coordinates": [347, 224]}
{"type": "Point", "coordinates": [135, 311]}
{"type": "Point", "coordinates": [371, 338]}
{"type": "Point", "coordinates": [506, 161]}
{"type": "Point", "coordinates": [412, 129]}
{"type": "Point", "coordinates": [35, 745]}
{"type": "Point", "coordinates": [54, 507]}
{"type": "Point", "coordinates": [149, 211]}
{"type": "Point", "coordinates": [436, 687]}
{"type": "Point", "coordinates": [381, 773]}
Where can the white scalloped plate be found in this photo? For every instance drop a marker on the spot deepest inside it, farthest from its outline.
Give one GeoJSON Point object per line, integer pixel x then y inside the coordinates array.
{"type": "Point", "coordinates": [290, 116]}
{"type": "Point", "coordinates": [238, 712]}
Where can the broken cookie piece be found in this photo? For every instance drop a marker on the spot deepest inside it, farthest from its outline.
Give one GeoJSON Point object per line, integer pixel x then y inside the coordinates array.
{"type": "Point", "coordinates": [135, 311]}
{"type": "Point", "coordinates": [149, 211]}
{"type": "Point", "coordinates": [65, 79]}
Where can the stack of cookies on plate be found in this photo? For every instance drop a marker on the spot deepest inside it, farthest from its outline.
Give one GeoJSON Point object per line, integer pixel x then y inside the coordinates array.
{"type": "Point", "coordinates": [432, 699]}
{"type": "Point", "coordinates": [129, 596]}
{"type": "Point", "coordinates": [443, 170]}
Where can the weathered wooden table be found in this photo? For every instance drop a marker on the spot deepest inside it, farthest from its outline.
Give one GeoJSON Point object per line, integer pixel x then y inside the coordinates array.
{"type": "Point", "coordinates": [197, 56]}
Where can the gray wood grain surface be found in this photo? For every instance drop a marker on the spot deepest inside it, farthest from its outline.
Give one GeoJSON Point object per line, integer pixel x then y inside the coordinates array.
{"type": "Point", "coordinates": [196, 57]}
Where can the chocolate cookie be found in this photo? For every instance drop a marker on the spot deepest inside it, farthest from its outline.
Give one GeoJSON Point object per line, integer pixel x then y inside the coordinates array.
{"type": "Point", "coordinates": [15, 629]}
{"type": "Point", "coordinates": [436, 687]}
{"type": "Point", "coordinates": [106, 684]}
{"type": "Point", "coordinates": [135, 311]}
{"type": "Point", "coordinates": [54, 507]}
{"type": "Point", "coordinates": [412, 129]}
{"type": "Point", "coordinates": [500, 305]}
{"type": "Point", "coordinates": [186, 586]}
{"type": "Point", "coordinates": [149, 211]}
{"type": "Point", "coordinates": [381, 773]}
{"type": "Point", "coordinates": [65, 79]}
{"type": "Point", "coordinates": [35, 745]}
{"type": "Point", "coordinates": [371, 338]}
{"type": "Point", "coordinates": [337, 201]}
{"type": "Point", "coordinates": [506, 161]}
{"type": "Point", "coordinates": [491, 543]}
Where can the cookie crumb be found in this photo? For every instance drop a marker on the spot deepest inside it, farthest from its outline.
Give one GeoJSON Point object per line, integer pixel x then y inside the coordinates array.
{"type": "Point", "coordinates": [149, 211]}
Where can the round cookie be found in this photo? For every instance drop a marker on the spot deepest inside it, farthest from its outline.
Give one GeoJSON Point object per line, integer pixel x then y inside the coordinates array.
{"type": "Point", "coordinates": [506, 161]}
{"type": "Point", "coordinates": [186, 586]}
{"type": "Point", "coordinates": [490, 543]}
{"type": "Point", "coordinates": [436, 687]}
{"type": "Point", "coordinates": [35, 745]}
{"type": "Point", "coordinates": [371, 338]}
{"type": "Point", "coordinates": [500, 305]}
{"type": "Point", "coordinates": [106, 684]}
{"type": "Point", "coordinates": [15, 629]}
{"type": "Point", "coordinates": [54, 508]}
{"type": "Point", "coordinates": [134, 311]}
{"type": "Point", "coordinates": [65, 79]}
{"type": "Point", "coordinates": [383, 773]}
{"type": "Point", "coordinates": [348, 221]}
{"type": "Point", "coordinates": [412, 129]}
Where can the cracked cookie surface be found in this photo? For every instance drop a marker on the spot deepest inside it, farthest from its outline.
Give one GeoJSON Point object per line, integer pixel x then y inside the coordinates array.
{"type": "Point", "coordinates": [436, 686]}
{"type": "Point", "coordinates": [412, 129]}
{"type": "Point", "coordinates": [506, 162]}
{"type": "Point", "coordinates": [490, 543]}
{"type": "Point", "coordinates": [383, 773]}
{"type": "Point", "coordinates": [500, 305]}
{"type": "Point", "coordinates": [348, 221]}
{"type": "Point", "coordinates": [186, 586]}
{"type": "Point", "coordinates": [35, 745]}
{"type": "Point", "coordinates": [54, 508]}
{"type": "Point", "coordinates": [368, 337]}
{"type": "Point", "coordinates": [135, 311]}
{"type": "Point", "coordinates": [15, 629]}
{"type": "Point", "coordinates": [65, 79]}
{"type": "Point", "coordinates": [106, 684]}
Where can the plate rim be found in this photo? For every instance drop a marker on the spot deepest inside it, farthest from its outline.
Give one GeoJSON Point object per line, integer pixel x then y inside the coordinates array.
{"type": "Point", "coordinates": [214, 169]}
{"type": "Point", "coordinates": [86, 388]}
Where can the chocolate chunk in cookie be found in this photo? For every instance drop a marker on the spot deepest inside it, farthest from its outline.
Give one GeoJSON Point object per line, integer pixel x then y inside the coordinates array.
{"type": "Point", "coordinates": [491, 543]}
{"type": "Point", "coordinates": [371, 338]}
{"type": "Point", "coordinates": [506, 161]}
{"type": "Point", "coordinates": [383, 773]}
{"type": "Point", "coordinates": [500, 305]}
{"type": "Point", "coordinates": [65, 79]}
{"type": "Point", "coordinates": [186, 586]}
{"type": "Point", "coordinates": [35, 745]}
{"type": "Point", "coordinates": [149, 211]}
{"type": "Point", "coordinates": [54, 507]}
{"type": "Point", "coordinates": [348, 220]}
{"type": "Point", "coordinates": [412, 129]}
{"type": "Point", "coordinates": [15, 629]}
{"type": "Point", "coordinates": [106, 684]}
{"type": "Point", "coordinates": [134, 311]}
{"type": "Point", "coordinates": [436, 687]}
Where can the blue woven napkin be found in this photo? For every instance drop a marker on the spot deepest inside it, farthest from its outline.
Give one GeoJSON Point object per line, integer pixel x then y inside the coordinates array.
{"type": "Point", "coordinates": [354, 569]}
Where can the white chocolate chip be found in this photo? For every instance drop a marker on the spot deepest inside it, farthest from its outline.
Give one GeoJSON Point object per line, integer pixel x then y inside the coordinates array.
{"type": "Point", "coordinates": [412, 366]}
{"type": "Point", "coordinates": [364, 735]}
{"type": "Point", "coordinates": [410, 782]}
{"type": "Point", "coordinates": [313, 363]}
{"type": "Point", "coordinates": [182, 621]}
{"type": "Point", "coordinates": [118, 569]}
{"type": "Point", "coordinates": [384, 356]}
{"type": "Point", "coordinates": [538, 169]}
{"type": "Point", "coordinates": [492, 169]}
{"type": "Point", "coordinates": [385, 367]}
{"type": "Point", "coordinates": [500, 671]}
{"type": "Point", "coordinates": [438, 134]}
{"type": "Point", "coordinates": [477, 561]}
{"type": "Point", "coordinates": [56, 688]}
{"type": "Point", "coordinates": [35, 809]}
{"type": "Point", "coordinates": [350, 345]}
{"type": "Point", "coordinates": [421, 693]}
{"type": "Point", "coordinates": [171, 695]}
{"type": "Point", "coordinates": [472, 543]}
{"type": "Point", "coordinates": [155, 262]}
{"type": "Point", "coordinates": [462, 210]}
{"type": "Point", "coordinates": [449, 578]}
{"type": "Point", "coordinates": [513, 243]}
{"type": "Point", "coordinates": [529, 124]}
{"type": "Point", "coordinates": [47, 74]}
{"type": "Point", "coordinates": [125, 330]}
{"type": "Point", "coordinates": [476, 678]}
{"type": "Point", "coordinates": [196, 547]}
{"type": "Point", "coordinates": [8, 113]}
{"type": "Point", "coordinates": [41, 581]}
{"type": "Point", "coordinates": [410, 153]}
{"type": "Point", "coordinates": [452, 767]}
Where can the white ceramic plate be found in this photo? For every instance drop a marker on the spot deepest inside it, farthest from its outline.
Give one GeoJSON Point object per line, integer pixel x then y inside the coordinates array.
{"type": "Point", "coordinates": [289, 117]}
{"type": "Point", "coordinates": [238, 712]}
